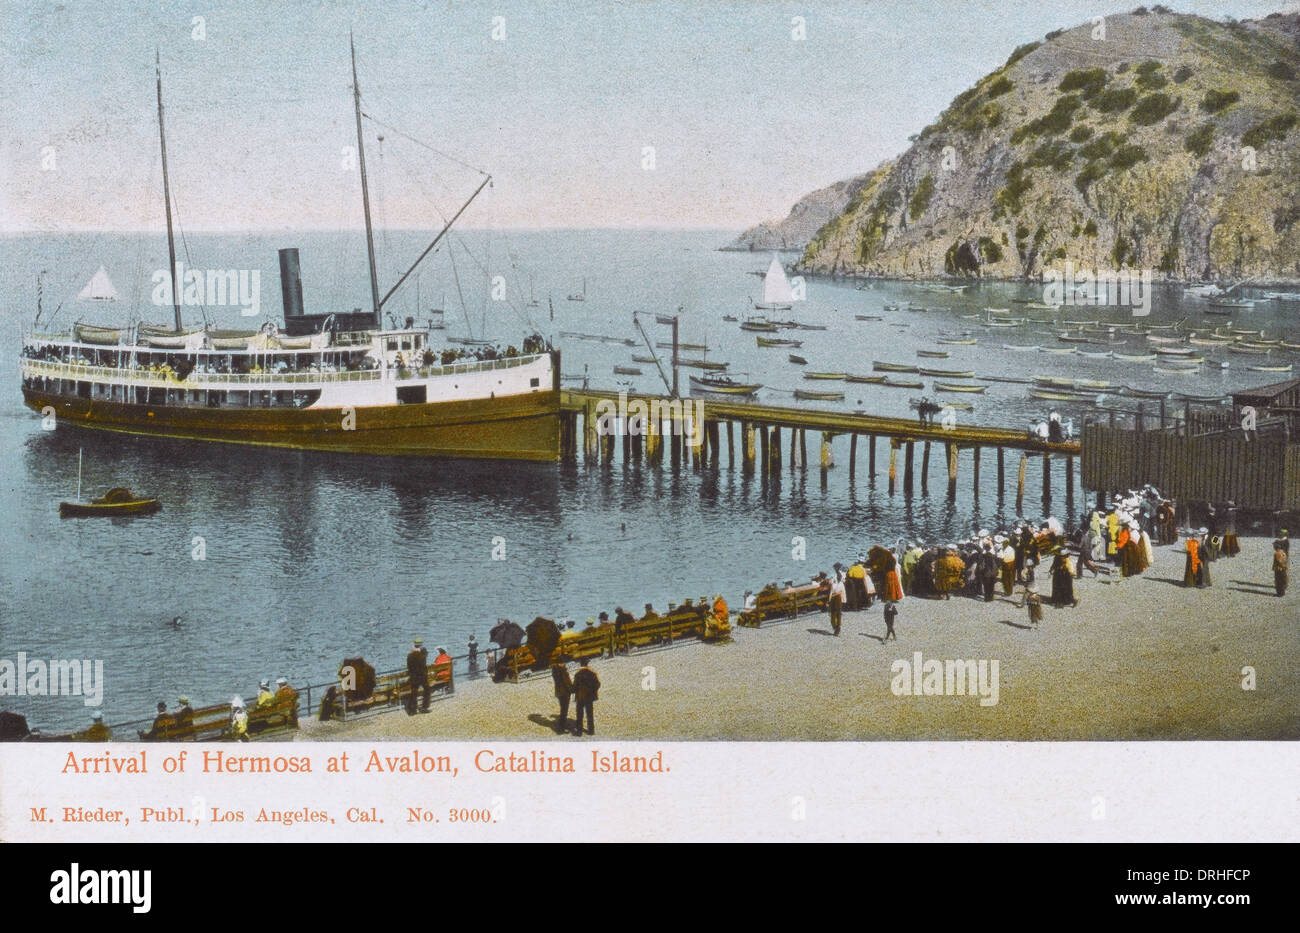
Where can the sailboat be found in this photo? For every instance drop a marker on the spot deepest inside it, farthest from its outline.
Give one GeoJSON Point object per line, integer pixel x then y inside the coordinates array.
{"type": "Point", "coordinates": [115, 503]}
{"type": "Point", "coordinates": [581, 296]}
{"type": "Point", "coordinates": [777, 294]}
{"type": "Point", "coordinates": [357, 387]}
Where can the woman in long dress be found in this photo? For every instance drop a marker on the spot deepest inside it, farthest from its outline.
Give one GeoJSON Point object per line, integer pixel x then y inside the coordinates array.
{"type": "Point", "coordinates": [1192, 566]}
{"type": "Point", "coordinates": [893, 587]}
{"type": "Point", "coordinates": [1231, 546]}
{"type": "Point", "coordinates": [1062, 581]}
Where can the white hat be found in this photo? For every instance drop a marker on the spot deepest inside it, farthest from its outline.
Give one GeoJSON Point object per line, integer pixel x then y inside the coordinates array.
{"type": "Point", "coordinates": [237, 702]}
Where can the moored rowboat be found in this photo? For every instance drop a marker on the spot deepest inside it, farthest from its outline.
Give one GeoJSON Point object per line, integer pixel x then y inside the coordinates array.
{"type": "Point", "coordinates": [115, 503]}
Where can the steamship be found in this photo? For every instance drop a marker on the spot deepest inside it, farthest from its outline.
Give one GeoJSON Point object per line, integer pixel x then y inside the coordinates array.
{"type": "Point", "coordinates": [338, 382]}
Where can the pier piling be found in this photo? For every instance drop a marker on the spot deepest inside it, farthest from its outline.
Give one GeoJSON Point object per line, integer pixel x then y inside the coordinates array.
{"type": "Point", "coordinates": [871, 459]}
{"type": "Point", "coordinates": [952, 470]}
{"type": "Point", "coordinates": [907, 468]}
{"type": "Point", "coordinates": [1001, 475]}
{"type": "Point", "coordinates": [976, 483]}
{"type": "Point", "coordinates": [747, 447]}
{"type": "Point", "coordinates": [893, 467]}
{"type": "Point", "coordinates": [925, 469]}
{"type": "Point", "coordinates": [731, 446]}
{"type": "Point", "coordinates": [1020, 484]}
{"type": "Point", "coordinates": [765, 447]}
{"type": "Point", "coordinates": [853, 455]}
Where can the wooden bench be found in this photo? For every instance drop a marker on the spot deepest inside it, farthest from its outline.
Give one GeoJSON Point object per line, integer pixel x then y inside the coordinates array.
{"type": "Point", "coordinates": [786, 604]}
{"type": "Point", "coordinates": [393, 689]}
{"type": "Point", "coordinates": [208, 722]}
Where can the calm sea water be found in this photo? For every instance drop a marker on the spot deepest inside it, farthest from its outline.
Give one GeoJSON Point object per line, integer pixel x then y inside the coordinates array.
{"type": "Point", "coordinates": [311, 558]}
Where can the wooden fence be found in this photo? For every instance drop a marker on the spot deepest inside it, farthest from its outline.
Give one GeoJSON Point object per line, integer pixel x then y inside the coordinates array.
{"type": "Point", "coordinates": [1257, 473]}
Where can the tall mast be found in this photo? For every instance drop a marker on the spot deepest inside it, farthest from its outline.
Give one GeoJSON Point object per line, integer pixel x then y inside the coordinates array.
{"type": "Point", "coordinates": [365, 190]}
{"type": "Point", "coordinates": [167, 201]}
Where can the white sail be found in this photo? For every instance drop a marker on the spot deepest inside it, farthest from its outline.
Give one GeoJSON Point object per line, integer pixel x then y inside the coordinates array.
{"type": "Point", "coordinates": [99, 288]}
{"type": "Point", "coordinates": [776, 287]}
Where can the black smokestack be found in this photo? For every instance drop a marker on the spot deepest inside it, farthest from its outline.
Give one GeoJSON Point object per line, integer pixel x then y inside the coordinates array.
{"type": "Point", "coordinates": [290, 284]}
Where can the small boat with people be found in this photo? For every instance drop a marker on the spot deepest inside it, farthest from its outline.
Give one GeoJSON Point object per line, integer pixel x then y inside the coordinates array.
{"type": "Point", "coordinates": [723, 385]}
{"type": "Point", "coordinates": [118, 502]}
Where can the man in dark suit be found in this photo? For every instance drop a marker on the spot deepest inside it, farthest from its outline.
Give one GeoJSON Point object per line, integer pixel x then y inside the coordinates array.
{"type": "Point", "coordinates": [585, 687]}
{"type": "Point", "coordinates": [563, 691]}
{"type": "Point", "coordinates": [417, 677]}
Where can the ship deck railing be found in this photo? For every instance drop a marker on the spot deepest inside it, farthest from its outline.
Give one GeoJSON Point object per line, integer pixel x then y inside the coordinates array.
{"type": "Point", "coordinates": [112, 375]}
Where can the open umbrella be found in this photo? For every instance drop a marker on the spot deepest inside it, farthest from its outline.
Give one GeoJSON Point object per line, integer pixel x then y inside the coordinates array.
{"type": "Point", "coordinates": [13, 726]}
{"type": "Point", "coordinates": [507, 634]}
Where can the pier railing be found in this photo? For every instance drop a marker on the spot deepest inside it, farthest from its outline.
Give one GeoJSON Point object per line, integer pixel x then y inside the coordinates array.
{"type": "Point", "coordinates": [112, 375]}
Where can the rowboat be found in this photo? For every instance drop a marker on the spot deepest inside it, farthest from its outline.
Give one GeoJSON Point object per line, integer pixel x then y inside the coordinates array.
{"type": "Point", "coordinates": [642, 359]}
{"type": "Point", "coordinates": [1240, 332]}
{"type": "Point", "coordinates": [1020, 348]}
{"type": "Point", "coordinates": [1270, 369]}
{"type": "Point", "coordinates": [667, 345]}
{"type": "Point", "coordinates": [730, 318]}
{"type": "Point", "coordinates": [878, 366]}
{"type": "Point", "coordinates": [798, 359]}
{"type": "Point", "coordinates": [957, 341]}
{"type": "Point", "coordinates": [870, 380]}
{"type": "Point", "coordinates": [113, 504]}
{"type": "Point", "coordinates": [1174, 351]}
{"type": "Point", "coordinates": [818, 396]}
{"type": "Point", "coordinates": [626, 371]}
{"type": "Point", "coordinates": [917, 308]}
{"type": "Point", "coordinates": [1072, 338]}
{"type": "Point", "coordinates": [710, 365]}
{"type": "Point", "coordinates": [1144, 393]}
{"type": "Point", "coordinates": [896, 384]}
{"type": "Point", "coordinates": [1095, 355]}
{"type": "Point", "coordinates": [1015, 323]}
{"type": "Point", "coordinates": [1156, 338]}
{"type": "Point", "coordinates": [758, 324]}
{"type": "Point", "coordinates": [1092, 384]}
{"type": "Point", "coordinates": [997, 310]}
{"type": "Point", "coordinates": [1287, 345]}
{"type": "Point", "coordinates": [1057, 351]}
{"type": "Point", "coordinates": [1209, 341]}
{"type": "Point", "coordinates": [956, 387]}
{"type": "Point", "coordinates": [933, 354]}
{"type": "Point", "coordinates": [1057, 381]}
{"type": "Point", "coordinates": [1020, 380]}
{"type": "Point", "coordinates": [724, 385]}
{"type": "Point", "coordinates": [890, 307]}
{"type": "Point", "coordinates": [1133, 357]}
{"type": "Point", "coordinates": [1249, 351]}
{"type": "Point", "coordinates": [825, 376]}
{"type": "Point", "coordinates": [868, 317]}
{"type": "Point", "coordinates": [801, 326]}
{"type": "Point", "coordinates": [1052, 395]}
{"type": "Point", "coordinates": [1231, 304]}
{"type": "Point", "coordinates": [1174, 372]}
{"type": "Point", "coordinates": [948, 373]}
{"type": "Point", "coordinates": [1190, 362]}
{"type": "Point", "coordinates": [777, 342]}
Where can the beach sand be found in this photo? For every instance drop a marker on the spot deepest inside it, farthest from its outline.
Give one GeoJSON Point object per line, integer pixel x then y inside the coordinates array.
{"type": "Point", "coordinates": [1142, 658]}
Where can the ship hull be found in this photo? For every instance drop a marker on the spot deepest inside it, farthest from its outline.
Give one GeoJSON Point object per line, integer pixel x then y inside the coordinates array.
{"type": "Point", "coordinates": [520, 427]}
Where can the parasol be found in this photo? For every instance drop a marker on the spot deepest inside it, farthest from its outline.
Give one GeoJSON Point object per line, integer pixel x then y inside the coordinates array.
{"type": "Point", "coordinates": [507, 634]}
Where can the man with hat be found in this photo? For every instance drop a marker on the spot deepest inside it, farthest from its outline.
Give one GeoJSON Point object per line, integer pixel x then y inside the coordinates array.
{"type": "Point", "coordinates": [163, 724]}
{"type": "Point", "coordinates": [1281, 558]}
{"type": "Point", "coordinates": [417, 677]}
{"type": "Point", "coordinates": [586, 686]}
{"type": "Point", "coordinates": [563, 692]}
{"type": "Point", "coordinates": [837, 599]}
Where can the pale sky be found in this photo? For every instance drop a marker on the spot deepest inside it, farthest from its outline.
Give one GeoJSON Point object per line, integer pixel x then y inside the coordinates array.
{"type": "Point", "coordinates": [743, 118]}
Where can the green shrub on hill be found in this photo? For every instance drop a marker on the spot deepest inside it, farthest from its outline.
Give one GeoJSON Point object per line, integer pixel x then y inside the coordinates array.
{"type": "Point", "coordinates": [1214, 101]}
{"type": "Point", "coordinates": [1001, 85]}
{"type": "Point", "coordinates": [921, 197]}
{"type": "Point", "coordinates": [1087, 81]}
{"type": "Point", "coordinates": [1153, 108]}
{"type": "Point", "coordinates": [1127, 157]}
{"type": "Point", "coordinates": [1273, 128]}
{"type": "Point", "coordinates": [1281, 70]}
{"type": "Point", "coordinates": [1115, 100]}
{"type": "Point", "coordinates": [1200, 140]}
{"type": "Point", "coordinates": [1080, 133]}
{"type": "Point", "coordinates": [1182, 74]}
{"type": "Point", "coordinates": [1020, 52]}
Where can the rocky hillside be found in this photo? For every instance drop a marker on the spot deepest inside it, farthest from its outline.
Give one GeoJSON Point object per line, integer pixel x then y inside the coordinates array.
{"type": "Point", "coordinates": [812, 212]}
{"type": "Point", "coordinates": [1171, 144]}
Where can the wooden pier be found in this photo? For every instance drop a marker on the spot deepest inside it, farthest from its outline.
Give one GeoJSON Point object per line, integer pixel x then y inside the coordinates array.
{"type": "Point", "coordinates": [758, 429]}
